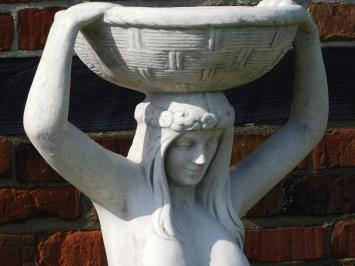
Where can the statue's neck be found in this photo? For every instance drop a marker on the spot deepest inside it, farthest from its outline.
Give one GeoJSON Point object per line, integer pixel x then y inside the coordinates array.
{"type": "Point", "coordinates": [182, 201]}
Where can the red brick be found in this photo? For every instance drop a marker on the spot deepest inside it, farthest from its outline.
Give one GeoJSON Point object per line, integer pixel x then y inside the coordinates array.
{"type": "Point", "coordinates": [17, 250]}
{"type": "Point", "coordinates": [323, 195]}
{"type": "Point", "coordinates": [336, 149]}
{"type": "Point", "coordinates": [116, 144]}
{"type": "Point", "coordinates": [285, 244]}
{"type": "Point", "coordinates": [34, 25]}
{"type": "Point", "coordinates": [72, 248]}
{"type": "Point", "coordinates": [244, 144]}
{"type": "Point", "coordinates": [19, 204]}
{"type": "Point", "coordinates": [6, 31]}
{"type": "Point", "coordinates": [334, 21]}
{"type": "Point", "coordinates": [5, 161]}
{"type": "Point", "coordinates": [309, 195]}
{"type": "Point", "coordinates": [343, 240]}
{"type": "Point", "coordinates": [269, 205]}
{"type": "Point", "coordinates": [30, 166]}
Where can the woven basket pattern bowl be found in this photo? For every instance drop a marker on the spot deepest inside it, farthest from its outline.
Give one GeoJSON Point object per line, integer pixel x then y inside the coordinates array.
{"type": "Point", "coordinates": [182, 58]}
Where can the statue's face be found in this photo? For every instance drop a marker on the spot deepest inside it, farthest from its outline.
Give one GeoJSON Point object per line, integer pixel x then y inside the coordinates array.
{"type": "Point", "coordinates": [189, 156]}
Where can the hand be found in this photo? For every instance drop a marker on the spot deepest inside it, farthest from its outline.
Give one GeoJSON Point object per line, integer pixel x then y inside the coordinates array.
{"type": "Point", "coordinates": [83, 14]}
{"type": "Point", "coordinates": [275, 3]}
{"type": "Point", "coordinates": [305, 30]}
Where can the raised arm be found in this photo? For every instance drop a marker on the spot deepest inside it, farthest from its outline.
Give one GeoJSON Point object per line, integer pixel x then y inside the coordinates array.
{"type": "Point", "coordinates": [103, 176]}
{"type": "Point", "coordinates": [256, 175]}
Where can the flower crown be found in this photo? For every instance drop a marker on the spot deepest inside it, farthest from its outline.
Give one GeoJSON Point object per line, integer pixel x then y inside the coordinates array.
{"type": "Point", "coordinates": [191, 118]}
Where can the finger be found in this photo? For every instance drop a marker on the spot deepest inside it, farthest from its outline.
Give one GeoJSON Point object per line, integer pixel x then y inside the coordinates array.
{"type": "Point", "coordinates": [287, 3]}
{"type": "Point", "coordinates": [100, 6]}
{"type": "Point", "coordinates": [263, 3]}
{"type": "Point", "coordinates": [275, 3]}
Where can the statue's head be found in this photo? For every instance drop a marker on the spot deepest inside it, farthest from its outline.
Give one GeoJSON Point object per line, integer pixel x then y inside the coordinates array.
{"type": "Point", "coordinates": [186, 139]}
{"type": "Point", "coordinates": [189, 156]}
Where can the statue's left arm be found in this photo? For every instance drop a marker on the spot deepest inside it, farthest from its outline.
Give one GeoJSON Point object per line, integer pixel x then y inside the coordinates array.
{"type": "Point", "coordinates": [253, 177]}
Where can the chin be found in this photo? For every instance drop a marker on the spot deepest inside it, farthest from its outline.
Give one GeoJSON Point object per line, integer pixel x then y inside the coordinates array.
{"type": "Point", "coordinates": [191, 180]}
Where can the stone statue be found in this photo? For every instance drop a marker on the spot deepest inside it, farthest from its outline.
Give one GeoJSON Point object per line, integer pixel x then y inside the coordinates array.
{"type": "Point", "coordinates": [174, 200]}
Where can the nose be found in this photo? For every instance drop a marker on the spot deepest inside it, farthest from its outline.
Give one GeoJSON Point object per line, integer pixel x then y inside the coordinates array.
{"type": "Point", "coordinates": [201, 158]}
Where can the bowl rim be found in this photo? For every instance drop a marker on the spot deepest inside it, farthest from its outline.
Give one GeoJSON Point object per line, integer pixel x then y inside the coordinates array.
{"type": "Point", "coordinates": [204, 16]}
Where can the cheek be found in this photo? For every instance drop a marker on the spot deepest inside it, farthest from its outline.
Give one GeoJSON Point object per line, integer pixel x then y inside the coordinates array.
{"type": "Point", "coordinates": [179, 155]}
{"type": "Point", "coordinates": [211, 150]}
{"type": "Point", "coordinates": [174, 160]}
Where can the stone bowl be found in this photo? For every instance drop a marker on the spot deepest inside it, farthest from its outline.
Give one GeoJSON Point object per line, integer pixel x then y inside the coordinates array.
{"type": "Point", "coordinates": [187, 49]}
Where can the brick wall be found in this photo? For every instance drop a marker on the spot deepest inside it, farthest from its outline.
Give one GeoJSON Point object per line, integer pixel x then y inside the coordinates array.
{"type": "Point", "coordinates": [307, 219]}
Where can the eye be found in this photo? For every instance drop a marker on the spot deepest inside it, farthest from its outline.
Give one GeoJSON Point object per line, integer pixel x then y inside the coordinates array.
{"type": "Point", "coordinates": [185, 144]}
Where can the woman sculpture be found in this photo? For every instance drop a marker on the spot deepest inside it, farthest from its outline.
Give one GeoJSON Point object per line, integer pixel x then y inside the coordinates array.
{"type": "Point", "coordinates": [174, 200]}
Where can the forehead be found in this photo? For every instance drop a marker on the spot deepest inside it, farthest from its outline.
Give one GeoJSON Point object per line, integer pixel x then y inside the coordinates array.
{"type": "Point", "coordinates": [201, 134]}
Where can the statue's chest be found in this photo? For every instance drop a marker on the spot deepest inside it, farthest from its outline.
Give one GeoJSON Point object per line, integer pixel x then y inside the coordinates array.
{"type": "Point", "coordinates": [193, 252]}
{"type": "Point", "coordinates": [202, 244]}
{"type": "Point", "coordinates": [135, 243]}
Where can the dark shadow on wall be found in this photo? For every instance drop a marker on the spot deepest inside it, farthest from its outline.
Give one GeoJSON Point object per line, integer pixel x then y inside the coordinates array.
{"type": "Point", "coordinates": [97, 105]}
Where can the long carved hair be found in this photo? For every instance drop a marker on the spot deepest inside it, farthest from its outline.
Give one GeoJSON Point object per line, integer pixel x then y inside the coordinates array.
{"type": "Point", "coordinates": [161, 119]}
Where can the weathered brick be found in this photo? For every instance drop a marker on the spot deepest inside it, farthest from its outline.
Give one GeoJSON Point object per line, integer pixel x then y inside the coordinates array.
{"type": "Point", "coordinates": [244, 144]}
{"type": "Point", "coordinates": [116, 144]}
{"type": "Point", "coordinates": [285, 244]}
{"type": "Point", "coordinates": [334, 21]}
{"type": "Point", "coordinates": [336, 149]}
{"type": "Point", "coordinates": [343, 240]}
{"type": "Point", "coordinates": [322, 195]}
{"type": "Point", "coordinates": [31, 167]}
{"type": "Point", "coordinates": [5, 161]}
{"type": "Point", "coordinates": [19, 204]}
{"type": "Point", "coordinates": [6, 31]}
{"type": "Point", "coordinates": [17, 250]}
{"type": "Point", "coordinates": [34, 25]}
{"type": "Point", "coordinates": [271, 204]}
{"type": "Point", "coordinates": [309, 195]}
{"type": "Point", "coordinates": [77, 248]}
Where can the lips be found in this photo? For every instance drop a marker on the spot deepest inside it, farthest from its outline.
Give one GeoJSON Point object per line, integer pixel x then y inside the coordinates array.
{"type": "Point", "coordinates": [194, 170]}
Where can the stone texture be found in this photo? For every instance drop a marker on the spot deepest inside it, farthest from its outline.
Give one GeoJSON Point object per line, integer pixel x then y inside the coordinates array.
{"type": "Point", "coordinates": [219, 67]}
{"type": "Point", "coordinates": [335, 21]}
{"type": "Point", "coordinates": [30, 166]}
{"type": "Point", "coordinates": [72, 248]}
{"type": "Point", "coordinates": [19, 204]}
{"type": "Point", "coordinates": [5, 159]}
{"type": "Point", "coordinates": [17, 250]}
{"type": "Point", "coordinates": [285, 244]}
{"type": "Point", "coordinates": [336, 149]}
{"type": "Point", "coordinates": [343, 240]}
{"type": "Point", "coordinates": [34, 25]}
{"type": "Point", "coordinates": [6, 31]}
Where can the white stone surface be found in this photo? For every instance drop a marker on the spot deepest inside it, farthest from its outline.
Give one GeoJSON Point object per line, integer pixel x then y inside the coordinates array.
{"type": "Point", "coordinates": [187, 49]}
{"type": "Point", "coordinates": [174, 200]}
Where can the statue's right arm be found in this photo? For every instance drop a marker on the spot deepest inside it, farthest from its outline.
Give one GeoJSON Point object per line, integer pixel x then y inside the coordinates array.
{"type": "Point", "coordinates": [103, 176]}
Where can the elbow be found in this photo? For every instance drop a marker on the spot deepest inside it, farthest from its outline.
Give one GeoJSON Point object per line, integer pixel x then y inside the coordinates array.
{"type": "Point", "coordinates": [41, 133]}
{"type": "Point", "coordinates": [311, 134]}
{"type": "Point", "coordinates": [311, 124]}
